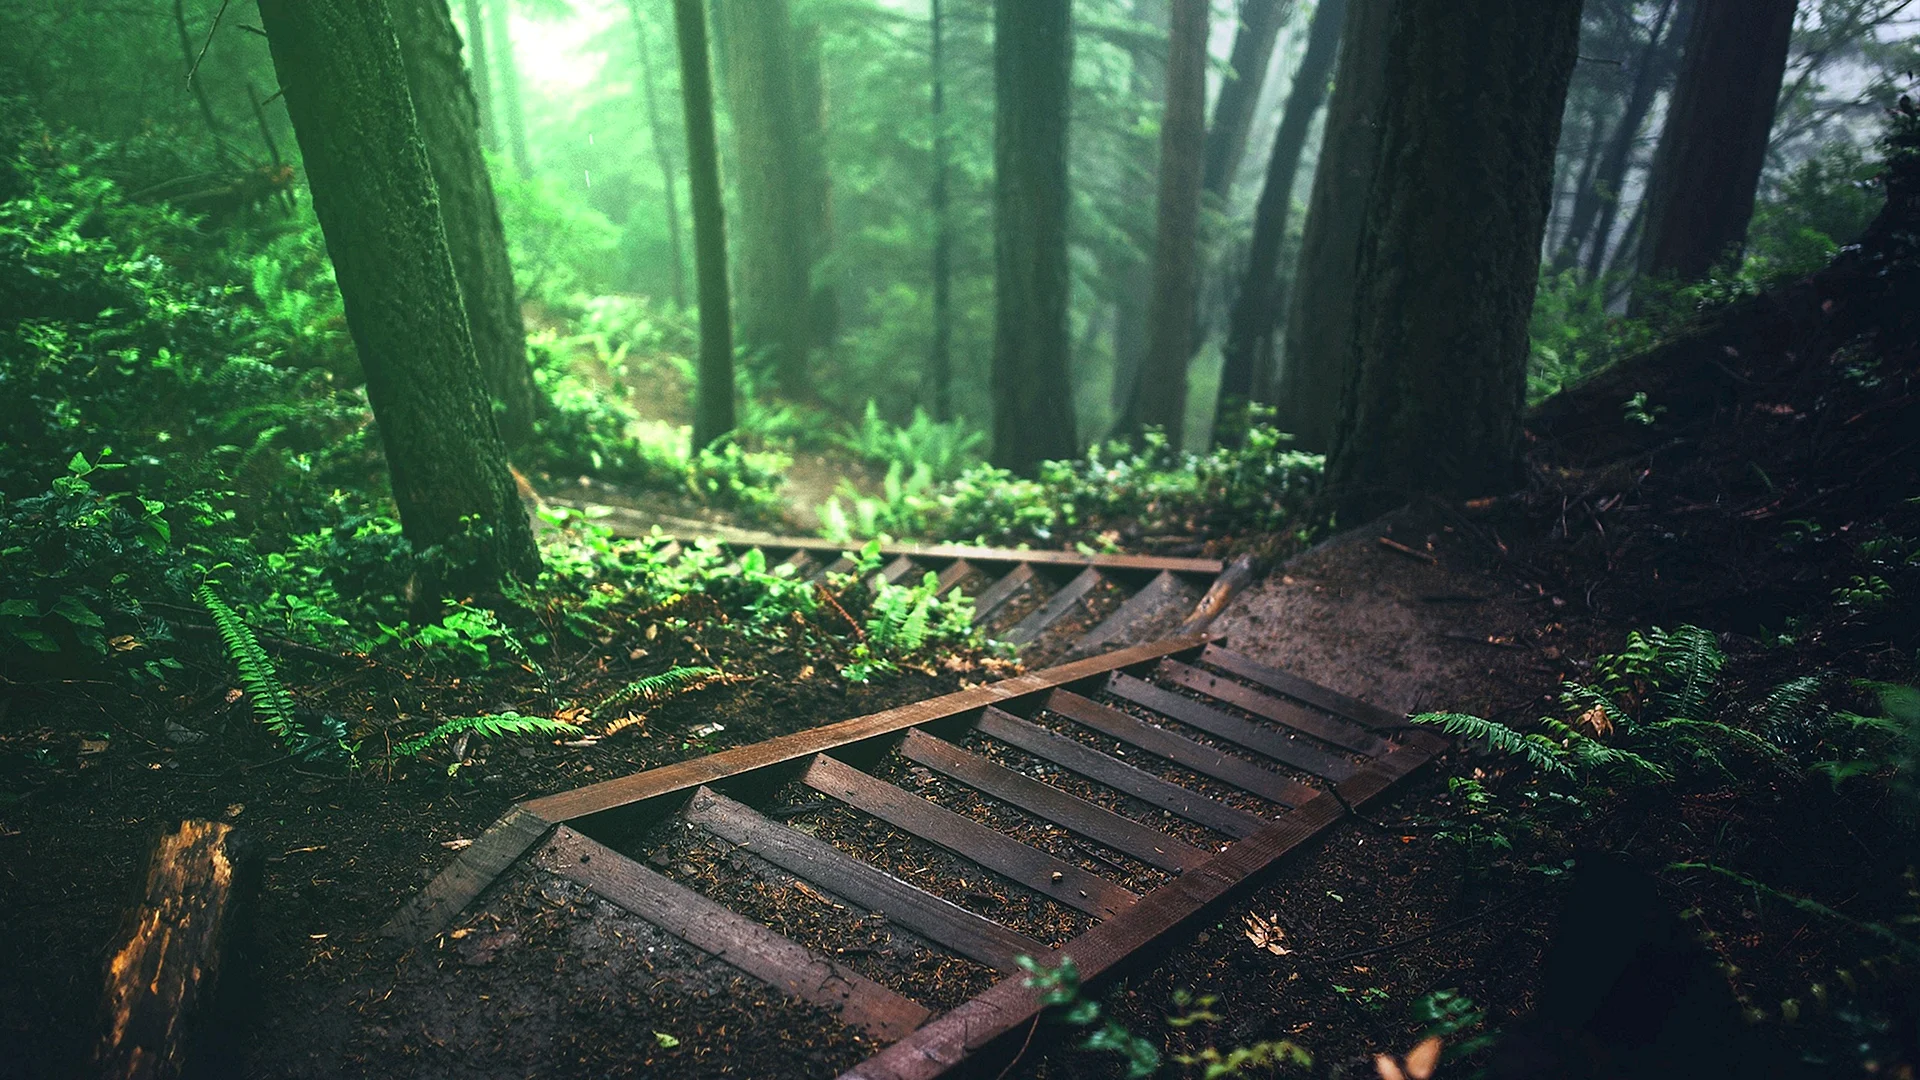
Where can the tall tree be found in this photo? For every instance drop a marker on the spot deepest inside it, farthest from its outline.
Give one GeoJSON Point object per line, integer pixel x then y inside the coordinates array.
{"type": "Point", "coordinates": [1032, 80]}
{"type": "Point", "coordinates": [1450, 253]}
{"type": "Point", "coordinates": [482, 74]}
{"type": "Point", "coordinates": [190, 61]}
{"type": "Point", "coordinates": [1260, 23]}
{"type": "Point", "coordinates": [940, 356]}
{"type": "Point", "coordinates": [1160, 395]}
{"type": "Point", "coordinates": [1706, 170]}
{"type": "Point", "coordinates": [816, 180]}
{"type": "Point", "coordinates": [501, 31]}
{"type": "Point", "coordinates": [1257, 308]}
{"type": "Point", "coordinates": [774, 271]}
{"type": "Point", "coordinates": [1133, 274]}
{"type": "Point", "coordinates": [346, 90]}
{"type": "Point", "coordinates": [1598, 199]}
{"type": "Point", "coordinates": [662, 152]}
{"type": "Point", "coordinates": [448, 119]}
{"type": "Point", "coordinates": [1657, 68]}
{"type": "Point", "coordinates": [1314, 364]}
{"type": "Point", "coordinates": [713, 405]}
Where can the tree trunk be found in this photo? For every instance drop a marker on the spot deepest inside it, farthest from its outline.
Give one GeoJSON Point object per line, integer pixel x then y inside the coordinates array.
{"type": "Point", "coordinates": [1451, 251]}
{"type": "Point", "coordinates": [1706, 170]}
{"type": "Point", "coordinates": [774, 270]}
{"type": "Point", "coordinates": [810, 94]}
{"type": "Point", "coordinates": [1147, 81]}
{"type": "Point", "coordinates": [940, 357]}
{"type": "Point", "coordinates": [1160, 394]}
{"type": "Point", "coordinates": [169, 960]}
{"type": "Point", "coordinates": [713, 405]}
{"type": "Point", "coordinates": [482, 75]}
{"type": "Point", "coordinates": [662, 153]}
{"type": "Point", "coordinates": [346, 89]}
{"type": "Point", "coordinates": [448, 119]}
{"type": "Point", "coordinates": [1033, 416]}
{"type": "Point", "coordinates": [1598, 202]}
{"type": "Point", "coordinates": [502, 34]}
{"type": "Point", "coordinates": [1256, 310]}
{"type": "Point", "coordinates": [1315, 362]}
{"type": "Point", "coordinates": [1260, 23]}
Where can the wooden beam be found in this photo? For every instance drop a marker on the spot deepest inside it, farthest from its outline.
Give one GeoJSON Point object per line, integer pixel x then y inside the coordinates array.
{"type": "Point", "coordinates": [860, 884]}
{"type": "Point", "coordinates": [1182, 751]}
{"type": "Point", "coordinates": [1153, 598]}
{"type": "Point", "coordinates": [1056, 608]}
{"type": "Point", "coordinates": [433, 909]}
{"type": "Point", "coordinates": [747, 945]}
{"type": "Point", "coordinates": [1294, 686]}
{"type": "Point", "coordinates": [1023, 863]}
{"type": "Point", "coordinates": [1338, 730]}
{"type": "Point", "coordinates": [1149, 845]}
{"type": "Point", "coordinates": [1261, 740]}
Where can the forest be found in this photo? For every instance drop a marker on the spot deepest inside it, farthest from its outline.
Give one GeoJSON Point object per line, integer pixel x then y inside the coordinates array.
{"type": "Point", "coordinates": [988, 538]}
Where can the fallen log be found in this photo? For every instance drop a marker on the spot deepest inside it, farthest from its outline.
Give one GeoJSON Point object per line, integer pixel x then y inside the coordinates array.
{"type": "Point", "coordinates": [166, 964]}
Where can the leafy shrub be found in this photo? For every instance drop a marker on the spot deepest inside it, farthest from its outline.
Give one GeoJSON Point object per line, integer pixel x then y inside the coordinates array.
{"type": "Point", "coordinates": [943, 450]}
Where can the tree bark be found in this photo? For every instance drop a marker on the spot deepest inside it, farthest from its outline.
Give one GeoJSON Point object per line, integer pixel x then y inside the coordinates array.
{"type": "Point", "coordinates": [482, 75]}
{"type": "Point", "coordinates": [1260, 23]}
{"type": "Point", "coordinates": [448, 119]}
{"type": "Point", "coordinates": [774, 271]}
{"type": "Point", "coordinates": [1147, 81]}
{"type": "Point", "coordinates": [810, 94]}
{"type": "Point", "coordinates": [1033, 416]}
{"type": "Point", "coordinates": [1315, 362]}
{"type": "Point", "coordinates": [172, 953]}
{"type": "Point", "coordinates": [713, 404]}
{"type": "Point", "coordinates": [1613, 173]}
{"type": "Point", "coordinates": [940, 355]}
{"type": "Point", "coordinates": [1160, 395]}
{"type": "Point", "coordinates": [1598, 201]}
{"type": "Point", "coordinates": [1706, 170]}
{"type": "Point", "coordinates": [346, 89]}
{"type": "Point", "coordinates": [501, 31]}
{"type": "Point", "coordinates": [1257, 308]}
{"type": "Point", "coordinates": [1451, 251]}
{"type": "Point", "coordinates": [662, 153]}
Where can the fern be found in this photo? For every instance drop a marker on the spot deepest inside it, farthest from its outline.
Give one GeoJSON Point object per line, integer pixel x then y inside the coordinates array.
{"type": "Point", "coordinates": [652, 688]}
{"type": "Point", "coordinates": [1537, 750]}
{"type": "Point", "coordinates": [1689, 662]}
{"type": "Point", "coordinates": [272, 705]}
{"type": "Point", "coordinates": [496, 726]}
{"type": "Point", "coordinates": [1789, 702]}
{"type": "Point", "coordinates": [1586, 752]}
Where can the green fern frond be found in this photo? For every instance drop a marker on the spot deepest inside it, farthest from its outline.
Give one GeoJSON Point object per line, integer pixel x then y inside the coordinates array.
{"type": "Point", "coordinates": [1725, 733]}
{"type": "Point", "coordinates": [1538, 751]}
{"type": "Point", "coordinates": [1589, 753]}
{"type": "Point", "coordinates": [1689, 660]}
{"type": "Point", "coordinates": [654, 687]}
{"type": "Point", "coordinates": [1789, 701]}
{"type": "Point", "coordinates": [258, 677]}
{"type": "Point", "coordinates": [498, 725]}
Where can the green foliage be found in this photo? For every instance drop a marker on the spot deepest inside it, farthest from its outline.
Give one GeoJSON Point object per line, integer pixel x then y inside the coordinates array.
{"type": "Point", "coordinates": [651, 688]}
{"type": "Point", "coordinates": [562, 248]}
{"type": "Point", "coordinates": [1059, 988]}
{"type": "Point", "coordinates": [497, 726]}
{"type": "Point", "coordinates": [1262, 486]}
{"type": "Point", "coordinates": [1446, 1013]}
{"type": "Point", "coordinates": [1477, 829]}
{"type": "Point", "coordinates": [272, 704]}
{"type": "Point", "coordinates": [943, 450]}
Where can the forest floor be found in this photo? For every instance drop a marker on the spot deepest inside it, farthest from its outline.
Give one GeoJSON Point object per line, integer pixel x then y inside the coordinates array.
{"type": "Point", "coordinates": [1781, 443]}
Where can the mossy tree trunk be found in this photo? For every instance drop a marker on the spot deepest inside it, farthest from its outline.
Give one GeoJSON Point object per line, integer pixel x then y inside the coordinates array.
{"type": "Point", "coordinates": [1706, 170]}
{"type": "Point", "coordinates": [482, 74]}
{"type": "Point", "coordinates": [662, 151]}
{"type": "Point", "coordinates": [1132, 273]}
{"type": "Point", "coordinates": [774, 273]}
{"type": "Point", "coordinates": [713, 395]}
{"type": "Point", "coordinates": [501, 31]}
{"type": "Point", "coordinates": [1160, 395]}
{"type": "Point", "coordinates": [1033, 418]}
{"type": "Point", "coordinates": [940, 355]}
{"type": "Point", "coordinates": [1260, 24]}
{"type": "Point", "coordinates": [339, 65]}
{"type": "Point", "coordinates": [1319, 323]}
{"type": "Point", "coordinates": [1258, 306]}
{"type": "Point", "coordinates": [1451, 251]}
{"type": "Point", "coordinates": [448, 117]}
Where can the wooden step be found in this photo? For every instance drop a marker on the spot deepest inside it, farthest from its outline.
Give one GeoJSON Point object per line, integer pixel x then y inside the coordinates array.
{"type": "Point", "coordinates": [1261, 740]}
{"type": "Point", "coordinates": [1180, 750]}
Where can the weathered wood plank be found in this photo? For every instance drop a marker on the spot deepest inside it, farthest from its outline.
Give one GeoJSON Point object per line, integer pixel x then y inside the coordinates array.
{"type": "Point", "coordinates": [1116, 774]}
{"type": "Point", "coordinates": [1180, 750]}
{"type": "Point", "coordinates": [858, 883]}
{"type": "Point", "coordinates": [1261, 740]}
{"type": "Point", "coordinates": [1337, 730]}
{"type": "Point", "coordinates": [1023, 863]}
{"type": "Point", "coordinates": [433, 909]}
{"type": "Point", "coordinates": [685, 775]}
{"type": "Point", "coordinates": [1010, 1005]}
{"type": "Point", "coordinates": [894, 572]}
{"type": "Point", "coordinates": [747, 945]}
{"type": "Point", "coordinates": [1320, 697]}
{"type": "Point", "coordinates": [1166, 588]}
{"type": "Point", "coordinates": [956, 572]}
{"type": "Point", "coordinates": [1097, 823]}
{"type": "Point", "coordinates": [1057, 607]}
{"type": "Point", "coordinates": [995, 596]}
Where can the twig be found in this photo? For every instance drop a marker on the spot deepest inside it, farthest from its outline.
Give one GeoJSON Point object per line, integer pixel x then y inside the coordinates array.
{"type": "Point", "coordinates": [1022, 1052]}
{"type": "Point", "coordinates": [207, 44]}
{"type": "Point", "coordinates": [1444, 928]}
{"type": "Point", "coordinates": [1413, 553]}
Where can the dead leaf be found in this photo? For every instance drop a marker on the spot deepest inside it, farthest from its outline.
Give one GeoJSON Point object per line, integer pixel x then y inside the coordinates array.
{"type": "Point", "coordinates": [1266, 934]}
{"type": "Point", "coordinates": [614, 727]}
{"type": "Point", "coordinates": [1424, 1058]}
{"type": "Point", "coordinates": [571, 716]}
{"type": "Point", "coordinates": [124, 643]}
{"type": "Point", "coordinates": [234, 810]}
{"type": "Point", "coordinates": [93, 746]}
{"type": "Point", "coordinates": [1388, 1068]}
{"type": "Point", "coordinates": [235, 694]}
{"type": "Point", "coordinates": [456, 845]}
{"type": "Point", "coordinates": [1594, 723]}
